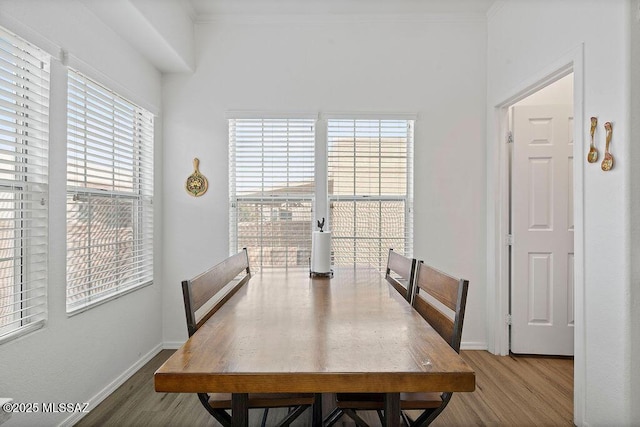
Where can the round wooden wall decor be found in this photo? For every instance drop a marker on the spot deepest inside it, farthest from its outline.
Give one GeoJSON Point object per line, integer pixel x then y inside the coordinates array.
{"type": "Point", "coordinates": [196, 184]}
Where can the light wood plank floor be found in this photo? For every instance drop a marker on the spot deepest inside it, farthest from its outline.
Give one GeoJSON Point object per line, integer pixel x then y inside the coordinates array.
{"type": "Point", "coordinates": [510, 391]}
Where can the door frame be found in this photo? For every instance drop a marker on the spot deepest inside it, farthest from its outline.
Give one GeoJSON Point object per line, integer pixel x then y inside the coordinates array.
{"type": "Point", "coordinates": [498, 268]}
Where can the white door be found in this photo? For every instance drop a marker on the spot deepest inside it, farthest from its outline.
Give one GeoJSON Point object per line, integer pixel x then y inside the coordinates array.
{"type": "Point", "coordinates": [542, 313]}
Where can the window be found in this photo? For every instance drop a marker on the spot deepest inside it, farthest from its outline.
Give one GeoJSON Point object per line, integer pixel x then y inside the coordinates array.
{"type": "Point", "coordinates": [109, 194]}
{"type": "Point", "coordinates": [24, 140]}
{"type": "Point", "coordinates": [370, 186]}
{"type": "Point", "coordinates": [271, 189]}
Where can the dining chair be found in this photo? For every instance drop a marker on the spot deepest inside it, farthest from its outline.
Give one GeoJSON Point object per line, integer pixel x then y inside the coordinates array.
{"type": "Point", "coordinates": [400, 273]}
{"type": "Point", "coordinates": [203, 296]}
{"type": "Point", "coordinates": [440, 299]}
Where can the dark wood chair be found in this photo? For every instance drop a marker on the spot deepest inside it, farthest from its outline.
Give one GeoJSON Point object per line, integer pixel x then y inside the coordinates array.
{"type": "Point", "coordinates": [440, 299]}
{"type": "Point", "coordinates": [203, 296]}
{"type": "Point", "coordinates": [401, 273]}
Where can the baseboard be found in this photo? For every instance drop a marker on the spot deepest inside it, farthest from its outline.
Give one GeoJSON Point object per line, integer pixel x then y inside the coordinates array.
{"type": "Point", "coordinates": [473, 346]}
{"type": "Point", "coordinates": [172, 345]}
{"type": "Point", "coordinates": [469, 345]}
{"type": "Point", "coordinates": [110, 388]}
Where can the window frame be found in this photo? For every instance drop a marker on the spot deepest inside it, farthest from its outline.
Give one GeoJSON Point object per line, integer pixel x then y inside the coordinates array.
{"type": "Point", "coordinates": [322, 199]}
{"type": "Point", "coordinates": [137, 201]}
{"type": "Point", "coordinates": [24, 146]}
{"type": "Point", "coordinates": [407, 197]}
{"type": "Point", "coordinates": [235, 200]}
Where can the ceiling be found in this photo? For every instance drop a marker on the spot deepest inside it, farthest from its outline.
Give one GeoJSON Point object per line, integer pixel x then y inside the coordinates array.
{"type": "Point", "coordinates": [163, 30]}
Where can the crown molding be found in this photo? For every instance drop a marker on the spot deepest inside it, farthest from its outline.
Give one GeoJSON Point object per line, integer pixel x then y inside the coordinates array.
{"type": "Point", "coordinates": [379, 18]}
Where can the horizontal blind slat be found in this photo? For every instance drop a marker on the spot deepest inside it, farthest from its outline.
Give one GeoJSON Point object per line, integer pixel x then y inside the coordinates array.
{"type": "Point", "coordinates": [28, 55]}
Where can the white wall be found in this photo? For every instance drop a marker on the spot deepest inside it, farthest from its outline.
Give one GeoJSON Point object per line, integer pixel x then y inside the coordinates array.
{"type": "Point", "coordinates": [432, 66]}
{"type": "Point", "coordinates": [634, 159]}
{"type": "Point", "coordinates": [79, 358]}
{"type": "Point", "coordinates": [525, 37]}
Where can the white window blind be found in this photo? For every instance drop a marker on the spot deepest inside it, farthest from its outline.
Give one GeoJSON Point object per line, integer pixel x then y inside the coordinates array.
{"type": "Point", "coordinates": [109, 194]}
{"type": "Point", "coordinates": [271, 188]}
{"type": "Point", "coordinates": [24, 140]}
{"type": "Point", "coordinates": [370, 185]}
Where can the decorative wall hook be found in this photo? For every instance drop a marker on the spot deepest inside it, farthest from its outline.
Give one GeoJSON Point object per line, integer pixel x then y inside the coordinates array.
{"type": "Point", "coordinates": [607, 162]}
{"type": "Point", "coordinates": [196, 184]}
{"type": "Point", "coordinates": [592, 157]}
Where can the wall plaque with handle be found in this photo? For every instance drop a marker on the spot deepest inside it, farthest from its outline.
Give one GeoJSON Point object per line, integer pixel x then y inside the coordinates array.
{"type": "Point", "coordinates": [196, 184]}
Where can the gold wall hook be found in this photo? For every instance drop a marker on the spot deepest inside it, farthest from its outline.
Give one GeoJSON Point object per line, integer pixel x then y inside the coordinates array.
{"type": "Point", "coordinates": [607, 162]}
{"type": "Point", "coordinates": [592, 157]}
{"type": "Point", "coordinates": [196, 184]}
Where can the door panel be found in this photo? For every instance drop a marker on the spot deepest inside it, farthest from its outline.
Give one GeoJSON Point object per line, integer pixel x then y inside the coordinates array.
{"type": "Point", "coordinates": [542, 228]}
{"type": "Point", "coordinates": [540, 193]}
{"type": "Point", "coordinates": [540, 273]}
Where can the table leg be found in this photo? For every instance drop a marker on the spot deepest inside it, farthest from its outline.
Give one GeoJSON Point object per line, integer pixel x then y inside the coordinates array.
{"type": "Point", "coordinates": [316, 418]}
{"type": "Point", "coordinates": [240, 410]}
{"type": "Point", "coordinates": [392, 409]}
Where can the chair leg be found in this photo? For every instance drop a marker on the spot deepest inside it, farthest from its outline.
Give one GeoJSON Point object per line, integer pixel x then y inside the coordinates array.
{"type": "Point", "coordinates": [355, 417]}
{"type": "Point", "coordinates": [292, 415]}
{"type": "Point", "coordinates": [428, 416]}
{"type": "Point", "coordinates": [405, 418]}
{"type": "Point", "coordinates": [333, 417]}
{"type": "Point", "coordinates": [264, 417]}
{"type": "Point", "coordinates": [220, 415]}
{"type": "Point", "coordinates": [424, 419]}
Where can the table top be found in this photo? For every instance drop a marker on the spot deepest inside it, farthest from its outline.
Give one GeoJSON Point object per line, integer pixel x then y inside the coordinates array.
{"type": "Point", "coordinates": [287, 332]}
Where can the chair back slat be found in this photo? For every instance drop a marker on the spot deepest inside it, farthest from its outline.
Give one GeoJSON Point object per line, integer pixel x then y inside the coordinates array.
{"type": "Point", "coordinates": [439, 285]}
{"type": "Point", "coordinates": [450, 293]}
{"type": "Point", "coordinates": [442, 323]}
{"type": "Point", "coordinates": [401, 273]}
{"type": "Point", "coordinates": [206, 293]}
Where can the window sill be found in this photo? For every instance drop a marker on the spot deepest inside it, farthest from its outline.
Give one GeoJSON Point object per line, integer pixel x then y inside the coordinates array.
{"type": "Point", "coordinates": [22, 331]}
{"type": "Point", "coordinates": [77, 310]}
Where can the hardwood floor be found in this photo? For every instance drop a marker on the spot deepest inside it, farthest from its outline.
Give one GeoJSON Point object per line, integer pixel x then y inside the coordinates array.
{"type": "Point", "coordinates": [510, 391]}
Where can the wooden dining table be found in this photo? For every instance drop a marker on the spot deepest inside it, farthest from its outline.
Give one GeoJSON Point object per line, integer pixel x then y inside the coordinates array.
{"type": "Point", "coordinates": [285, 332]}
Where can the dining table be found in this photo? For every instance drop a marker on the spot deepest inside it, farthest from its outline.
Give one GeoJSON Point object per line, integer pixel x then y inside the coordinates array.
{"type": "Point", "coordinates": [285, 331]}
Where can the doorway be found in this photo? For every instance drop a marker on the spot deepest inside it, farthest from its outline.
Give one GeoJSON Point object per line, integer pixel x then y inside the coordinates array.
{"type": "Point", "coordinates": [498, 260]}
{"type": "Point", "coordinates": [541, 224]}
